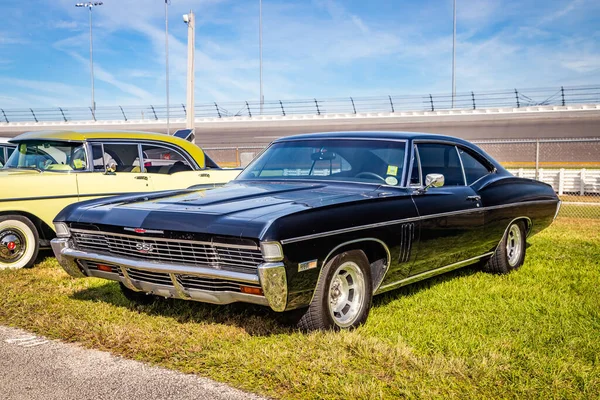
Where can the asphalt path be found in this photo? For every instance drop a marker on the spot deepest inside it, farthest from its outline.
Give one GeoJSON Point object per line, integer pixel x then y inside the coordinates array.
{"type": "Point", "coordinates": [36, 368]}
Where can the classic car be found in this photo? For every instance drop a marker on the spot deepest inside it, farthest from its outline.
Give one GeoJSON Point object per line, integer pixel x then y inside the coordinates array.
{"type": "Point", "coordinates": [6, 150]}
{"type": "Point", "coordinates": [317, 222]}
{"type": "Point", "coordinates": [50, 170]}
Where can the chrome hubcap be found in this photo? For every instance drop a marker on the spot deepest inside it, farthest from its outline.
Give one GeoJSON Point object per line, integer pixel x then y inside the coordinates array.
{"type": "Point", "coordinates": [12, 246]}
{"type": "Point", "coordinates": [514, 245]}
{"type": "Point", "coordinates": [346, 294]}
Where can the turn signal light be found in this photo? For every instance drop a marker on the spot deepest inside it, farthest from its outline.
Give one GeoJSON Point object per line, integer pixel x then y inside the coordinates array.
{"type": "Point", "coordinates": [104, 268]}
{"type": "Point", "coordinates": [251, 290]}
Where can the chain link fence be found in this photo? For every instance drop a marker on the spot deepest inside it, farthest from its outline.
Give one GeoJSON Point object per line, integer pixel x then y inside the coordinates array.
{"type": "Point", "coordinates": [570, 166]}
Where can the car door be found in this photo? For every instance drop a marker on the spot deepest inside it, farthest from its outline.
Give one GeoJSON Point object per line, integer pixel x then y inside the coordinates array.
{"type": "Point", "coordinates": [115, 170]}
{"type": "Point", "coordinates": [451, 219]}
{"type": "Point", "coordinates": [170, 167]}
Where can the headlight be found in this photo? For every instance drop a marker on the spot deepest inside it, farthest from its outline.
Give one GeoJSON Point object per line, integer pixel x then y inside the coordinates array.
{"type": "Point", "coordinates": [62, 230]}
{"type": "Point", "coordinates": [271, 251]}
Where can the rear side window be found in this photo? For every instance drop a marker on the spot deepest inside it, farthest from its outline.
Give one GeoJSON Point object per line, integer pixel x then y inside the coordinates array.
{"type": "Point", "coordinates": [125, 156]}
{"type": "Point", "coordinates": [474, 169]}
{"type": "Point", "coordinates": [163, 160]}
{"type": "Point", "coordinates": [441, 159]}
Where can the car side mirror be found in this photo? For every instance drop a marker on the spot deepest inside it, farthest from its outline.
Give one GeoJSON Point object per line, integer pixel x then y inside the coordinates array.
{"type": "Point", "coordinates": [434, 180]}
{"type": "Point", "coordinates": [111, 169]}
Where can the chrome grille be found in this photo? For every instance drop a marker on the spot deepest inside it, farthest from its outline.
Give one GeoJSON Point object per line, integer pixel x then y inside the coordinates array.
{"type": "Point", "coordinates": [211, 284]}
{"type": "Point", "coordinates": [157, 278]}
{"type": "Point", "coordinates": [243, 259]}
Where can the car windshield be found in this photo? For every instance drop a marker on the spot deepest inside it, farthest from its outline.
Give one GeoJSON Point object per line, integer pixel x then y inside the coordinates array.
{"type": "Point", "coordinates": [353, 160]}
{"type": "Point", "coordinates": [48, 156]}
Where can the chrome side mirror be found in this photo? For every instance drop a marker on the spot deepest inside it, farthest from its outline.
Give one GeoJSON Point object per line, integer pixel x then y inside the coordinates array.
{"type": "Point", "coordinates": [433, 180]}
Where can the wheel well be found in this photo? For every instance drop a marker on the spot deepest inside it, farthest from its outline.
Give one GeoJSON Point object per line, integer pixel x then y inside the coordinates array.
{"type": "Point", "coordinates": [44, 231]}
{"type": "Point", "coordinates": [527, 222]}
{"type": "Point", "coordinates": [374, 249]}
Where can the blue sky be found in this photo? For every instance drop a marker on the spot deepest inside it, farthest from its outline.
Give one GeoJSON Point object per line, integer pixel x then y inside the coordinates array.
{"type": "Point", "coordinates": [311, 48]}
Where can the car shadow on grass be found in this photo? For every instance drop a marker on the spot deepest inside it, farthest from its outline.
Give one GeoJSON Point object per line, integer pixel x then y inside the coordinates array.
{"type": "Point", "coordinates": [255, 320]}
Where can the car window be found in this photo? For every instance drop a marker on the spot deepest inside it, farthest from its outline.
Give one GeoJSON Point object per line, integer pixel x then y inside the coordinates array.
{"type": "Point", "coordinates": [371, 161]}
{"type": "Point", "coordinates": [49, 156]}
{"type": "Point", "coordinates": [124, 156]}
{"type": "Point", "coordinates": [415, 175]}
{"type": "Point", "coordinates": [2, 159]}
{"type": "Point", "coordinates": [441, 159]}
{"type": "Point", "coordinates": [163, 160]}
{"type": "Point", "coordinates": [474, 169]}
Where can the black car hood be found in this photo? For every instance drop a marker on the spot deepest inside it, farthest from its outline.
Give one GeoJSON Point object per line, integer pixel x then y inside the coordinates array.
{"type": "Point", "coordinates": [237, 209]}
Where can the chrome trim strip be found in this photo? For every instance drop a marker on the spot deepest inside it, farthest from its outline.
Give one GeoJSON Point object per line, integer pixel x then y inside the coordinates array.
{"type": "Point", "coordinates": [462, 166]}
{"type": "Point", "coordinates": [145, 231]}
{"type": "Point", "coordinates": [400, 221]}
{"type": "Point", "coordinates": [150, 266]}
{"type": "Point", "coordinates": [429, 274]}
{"type": "Point", "coordinates": [217, 244]}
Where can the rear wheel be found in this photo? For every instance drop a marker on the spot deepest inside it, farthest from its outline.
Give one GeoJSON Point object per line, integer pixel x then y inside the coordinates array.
{"type": "Point", "coordinates": [137, 297]}
{"type": "Point", "coordinates": [343, 295]}
{"type": "Point", "coordinates": [510, 253]}
{"type": "Point", "coordinates": [19, 242]}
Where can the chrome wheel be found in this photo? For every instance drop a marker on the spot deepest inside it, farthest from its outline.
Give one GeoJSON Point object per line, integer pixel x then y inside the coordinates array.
{"type": "Point", "coordinates": [514, 245]}
{"type": "Point", "coordinates": [346, 294]}
{"type": "Point", "coordinates": [13, 245]}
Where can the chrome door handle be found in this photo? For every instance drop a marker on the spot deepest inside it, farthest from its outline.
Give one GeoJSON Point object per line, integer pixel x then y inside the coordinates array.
{"type": "Point", "coordinates": [142, 177]}
{"type": "Point", "coordinates": [474, 198]}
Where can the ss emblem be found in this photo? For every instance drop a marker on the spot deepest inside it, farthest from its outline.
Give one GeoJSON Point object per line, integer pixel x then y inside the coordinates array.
{"type": "Point", "coordinates": [144, 248]}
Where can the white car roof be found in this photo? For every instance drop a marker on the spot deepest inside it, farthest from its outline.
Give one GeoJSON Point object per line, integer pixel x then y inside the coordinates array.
{"type": "Point", "coordinates": [4, 139]}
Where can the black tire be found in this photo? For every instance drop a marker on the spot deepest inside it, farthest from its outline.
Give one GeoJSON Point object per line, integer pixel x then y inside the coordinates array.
{"type": "Point", "coordinates": [19, 242]}
{"type": "Point", "coordinates": [320, 315]}
{"type": "Point", "coordinates": [137, 297]}
{"type": "Point", "coordinates": [510, 253]}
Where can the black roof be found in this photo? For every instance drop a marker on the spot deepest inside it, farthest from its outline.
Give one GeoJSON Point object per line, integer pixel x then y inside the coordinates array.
{"type": "Point", "coordinates": [372, 135]}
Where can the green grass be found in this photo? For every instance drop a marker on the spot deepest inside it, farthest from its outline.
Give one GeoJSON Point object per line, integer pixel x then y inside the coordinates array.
{"type": "Point", "coordinates": [534, 333]}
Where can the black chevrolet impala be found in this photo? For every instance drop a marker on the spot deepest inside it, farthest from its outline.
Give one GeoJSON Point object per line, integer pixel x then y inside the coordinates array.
{"type": "Point", "coordinates": [320, 222]}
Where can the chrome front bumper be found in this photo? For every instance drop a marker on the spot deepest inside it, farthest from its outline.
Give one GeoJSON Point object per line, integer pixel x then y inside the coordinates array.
{"type": "Point", "coordinates": [271, 277]}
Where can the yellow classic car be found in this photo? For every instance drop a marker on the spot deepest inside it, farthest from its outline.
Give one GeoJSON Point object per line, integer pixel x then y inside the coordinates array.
{"type": "Point", "coordinates": [51, 169]}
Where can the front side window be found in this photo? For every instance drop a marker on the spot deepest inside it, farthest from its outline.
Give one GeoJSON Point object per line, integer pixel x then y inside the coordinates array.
{"type": "Point", "coordinates": [365, 161]}
{"type": "Point", "coordinates": [49, 156]}
{"type": "Point", "coordinates": [441, 159]}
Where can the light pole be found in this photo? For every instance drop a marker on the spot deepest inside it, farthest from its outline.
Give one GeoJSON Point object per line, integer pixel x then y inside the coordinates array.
{"type": "Point", "coordinates": [190, 20]}
{"type": "Point", "coordinates": [454, 56]}
{"type": "Point", "coordinates": [91, 5]}
{"type": "Point", "coordinates": [167, 2]}
{"type": "Point", "coordinates": [262, 97]}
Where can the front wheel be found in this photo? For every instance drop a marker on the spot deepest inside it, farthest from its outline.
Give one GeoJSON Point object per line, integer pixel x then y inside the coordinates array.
{"type": "Point", "coordinates": [510, 253]}
{"type": "Point", "coordinates": [343, 295]}
{"type": "Point", "coordinates": [19, 242]}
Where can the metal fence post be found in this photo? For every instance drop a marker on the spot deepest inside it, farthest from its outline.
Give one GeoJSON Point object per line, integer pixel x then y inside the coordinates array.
{"type": "Point", "coordinates": [282, 109]}
{"type": "Point", "coordinates": [63, 113]}
{"type": "Point", "coordinates": [93, 113]}
{"type": "Point", "coordinates": [123, 112]}
{"type": "Point", "coordinates": [32, 113]}
{"type": "Point", "coordinates": [353, 107]}
{"type": "Point", "coordinates": [184, 110]}
{"type": "Point", "coordinates": [561, 181]}
{"type": "Point", "coordinates": [562, 95]}
{"type": "Point", "coordinates": [582, 182]}
{"type": "Point", "coordinates": [3, 113]}
{"type": "Point", "coordinates": [473, 98]}
{"type": "Point", "coordinates": [248, 107]}
{"type": "Point", "coordinates": [431, 101]}
{"type": "Point", "coordinates": [517, 97]}
{"type": "Point", "coordinates": [154, 111]}
{"type": "Point", "coordinates": [537, 159]}
{"type": "Point", "coordinates": [317, 104]}
{"type": "Point", "coordinates": [391, 103]}
{"type": "Point", "coordinates": [218, 111]}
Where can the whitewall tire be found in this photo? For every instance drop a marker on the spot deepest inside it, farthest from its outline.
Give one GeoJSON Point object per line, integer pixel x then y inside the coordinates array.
{"type": "Point", "coordinates": [19, 241]}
